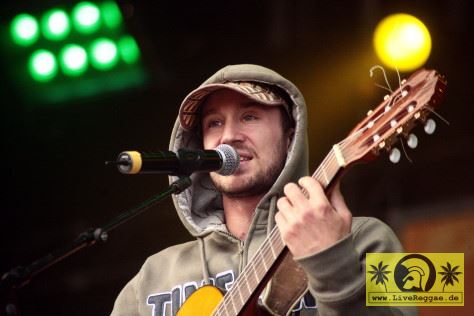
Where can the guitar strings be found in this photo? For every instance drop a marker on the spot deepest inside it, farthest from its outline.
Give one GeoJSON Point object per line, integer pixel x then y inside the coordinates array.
{"type": "Point", "coordinates": [344, 143]}
{"type": "Point", "coordinates": [258, 266]}
{"type": "Point", "coordinates": [393, 99]}
{"type": "Point", "coordinates": [258, 261]}
{"type": "Point", "coordinates": [329, 160]}
{"type": "Point", "coordinates": [266, 249]}
{"type": "Point", "coordinates": [405, 151]}
{"type": "Point", "coordinates": [371, 73]}
{"type": "Point", "coordinates": [437, 114]}
{"type": "Point", "coordinates": [398, 74]}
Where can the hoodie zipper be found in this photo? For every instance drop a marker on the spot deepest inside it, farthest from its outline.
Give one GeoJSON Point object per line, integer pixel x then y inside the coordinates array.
{"type": "Point", "coordinates": [241, 249]}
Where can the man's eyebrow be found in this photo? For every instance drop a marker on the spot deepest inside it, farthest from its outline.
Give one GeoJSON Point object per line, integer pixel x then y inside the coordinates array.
{"type": "Point", "coordinates": [208, 111]}
{"type": "Point", "coordinates": [247, 104]}
{"type": "Point", "coordinates": [251, 103]}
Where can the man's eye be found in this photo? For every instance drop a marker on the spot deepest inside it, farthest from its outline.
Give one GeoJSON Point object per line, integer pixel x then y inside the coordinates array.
{"type": "Point", "coordinates": [213, 123]}
{"type": "Point", "coordinates": [250, 117]}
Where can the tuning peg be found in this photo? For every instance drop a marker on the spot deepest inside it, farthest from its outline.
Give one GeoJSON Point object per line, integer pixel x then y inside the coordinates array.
{"type": "Point", "coordinates": [395, 155]}
{"type": "Point", "coordinates": [412, 141]}
{"type": "Point", "coordinates": [430, 126]}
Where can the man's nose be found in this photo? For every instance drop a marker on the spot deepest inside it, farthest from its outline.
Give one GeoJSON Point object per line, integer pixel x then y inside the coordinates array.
{"type": "Point", "coordinates": [232, 132]}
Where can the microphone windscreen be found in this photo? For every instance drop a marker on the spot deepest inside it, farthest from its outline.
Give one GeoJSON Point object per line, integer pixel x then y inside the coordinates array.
{"type": "Point", "coordinates": [230, 159]}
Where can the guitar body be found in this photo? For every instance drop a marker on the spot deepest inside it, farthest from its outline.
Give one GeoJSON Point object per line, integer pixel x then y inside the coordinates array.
{"type": "Point", "coordinates": [204, 301]}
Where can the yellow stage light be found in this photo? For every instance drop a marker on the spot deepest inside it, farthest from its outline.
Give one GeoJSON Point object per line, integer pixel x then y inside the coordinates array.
{"type": "Point", "coordinates": [402, 41]}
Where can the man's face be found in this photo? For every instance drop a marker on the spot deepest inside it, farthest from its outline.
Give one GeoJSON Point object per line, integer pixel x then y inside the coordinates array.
{"type": "Point", "coordinates": [255, 131]}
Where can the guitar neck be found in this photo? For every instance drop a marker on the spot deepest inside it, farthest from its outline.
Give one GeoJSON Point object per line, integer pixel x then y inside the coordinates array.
{"type": "Point", "coordinates": [259, 270]}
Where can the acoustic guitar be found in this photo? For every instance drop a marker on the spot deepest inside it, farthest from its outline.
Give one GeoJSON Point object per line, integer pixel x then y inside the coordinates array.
{"type": "Point", "coordinates": [412, 103]}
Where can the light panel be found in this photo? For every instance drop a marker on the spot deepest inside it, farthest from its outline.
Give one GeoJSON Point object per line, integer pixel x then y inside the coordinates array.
{"type": "Point", "coordinates": [73, 50]}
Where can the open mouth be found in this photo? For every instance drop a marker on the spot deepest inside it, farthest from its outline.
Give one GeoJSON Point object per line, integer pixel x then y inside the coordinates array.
{"type": "Point", "coordinates": [245, 157]}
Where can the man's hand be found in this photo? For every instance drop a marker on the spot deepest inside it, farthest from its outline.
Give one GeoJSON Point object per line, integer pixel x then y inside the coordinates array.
{"type": "Point", "coordinates": [314, 223]}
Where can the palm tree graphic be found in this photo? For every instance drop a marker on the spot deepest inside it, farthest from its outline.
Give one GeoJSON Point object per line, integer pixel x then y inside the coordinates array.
{"type": "Point", "coordinates": [380, 274]}
{"type": "Point", "coordinates": [449, 274]}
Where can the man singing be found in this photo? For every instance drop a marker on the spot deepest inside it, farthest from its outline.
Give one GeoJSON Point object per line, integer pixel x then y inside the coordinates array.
{"type": "Point", "coordinates": [263, 116]}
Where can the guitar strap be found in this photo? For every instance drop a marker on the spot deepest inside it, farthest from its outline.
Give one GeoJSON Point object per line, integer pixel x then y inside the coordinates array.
{"type": "Point", "coordinates": [287, 287]}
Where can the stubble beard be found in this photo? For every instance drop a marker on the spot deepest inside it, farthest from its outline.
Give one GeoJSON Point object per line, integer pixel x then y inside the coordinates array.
{"type": "Point", "coordinates": [255, 184]}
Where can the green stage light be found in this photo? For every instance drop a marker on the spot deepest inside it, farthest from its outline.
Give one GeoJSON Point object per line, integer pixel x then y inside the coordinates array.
{"type": "Point", "coordinates": [86, 17]}
{"type": "Point", "coordinates": [43, 65]}
{"type": "Point", "coordinates": [104, 54]}
{"type": "Point", "coordinates": [128, 49]}
{"type": "Point", "coordinates": [73, 60]}
{"type": "Point", "coordinates": [55, 25]}
{"type": "Point", "coordinates": [111, 14]}
{"type": "Point", "coordinates": [24, 29]}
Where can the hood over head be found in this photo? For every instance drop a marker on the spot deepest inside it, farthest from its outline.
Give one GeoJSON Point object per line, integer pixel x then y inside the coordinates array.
{"type": "Point", "coordinates": [200, 206]}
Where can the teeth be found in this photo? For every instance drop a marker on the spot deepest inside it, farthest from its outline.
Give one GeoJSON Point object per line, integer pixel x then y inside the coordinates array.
{"type": "Point", "coordinates": [244, 159]}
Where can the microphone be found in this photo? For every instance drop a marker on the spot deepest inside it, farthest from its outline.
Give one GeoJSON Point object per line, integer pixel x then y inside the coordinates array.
{"type": "Point", "coordinates": [224, 160]}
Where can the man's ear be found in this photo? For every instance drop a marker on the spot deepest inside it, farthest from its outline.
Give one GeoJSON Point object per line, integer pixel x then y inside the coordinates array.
{"type": "Point", "coordinates": [289, 137]}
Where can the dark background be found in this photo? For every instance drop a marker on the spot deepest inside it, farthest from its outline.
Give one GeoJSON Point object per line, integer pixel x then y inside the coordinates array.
{"type": "Point", "coordinates": [55, 184]}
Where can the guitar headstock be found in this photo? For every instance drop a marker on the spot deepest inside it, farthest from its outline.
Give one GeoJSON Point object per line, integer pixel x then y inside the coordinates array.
{"type": "Point", "coordinates": [395, 117]}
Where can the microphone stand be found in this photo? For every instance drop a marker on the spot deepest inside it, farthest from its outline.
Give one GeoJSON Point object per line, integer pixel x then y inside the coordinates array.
{"type": "Point", "coordinates": [20, 276]}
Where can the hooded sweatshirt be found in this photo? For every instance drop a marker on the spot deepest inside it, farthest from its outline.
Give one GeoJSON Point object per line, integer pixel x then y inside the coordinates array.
{"type": "Point", "coordinates": [336, 275]}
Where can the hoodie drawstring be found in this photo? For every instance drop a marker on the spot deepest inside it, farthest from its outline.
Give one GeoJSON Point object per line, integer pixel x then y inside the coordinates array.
{"type": "Point", "coordinates": [270, 225]}
{"type": "Point", "coordinates": [205, 267]}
